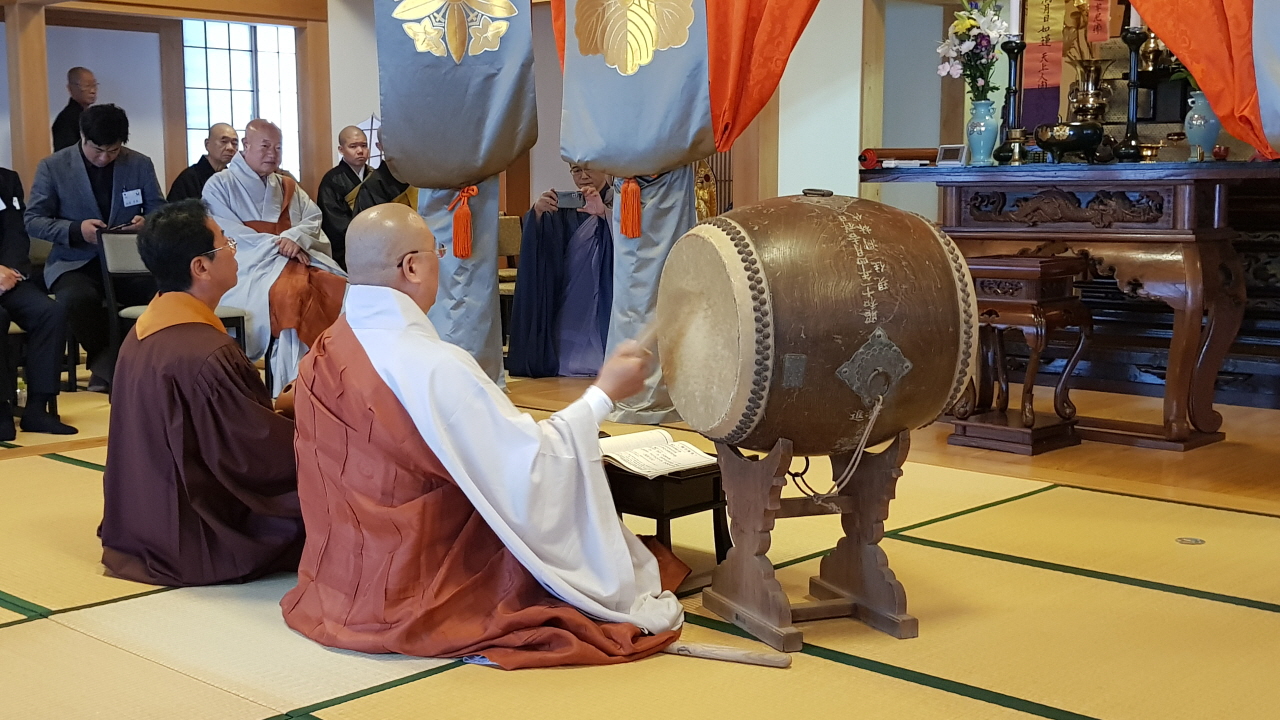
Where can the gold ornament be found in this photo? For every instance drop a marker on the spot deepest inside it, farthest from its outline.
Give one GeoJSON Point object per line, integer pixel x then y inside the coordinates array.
{"type": "Point", "coordinates": [628, 32]}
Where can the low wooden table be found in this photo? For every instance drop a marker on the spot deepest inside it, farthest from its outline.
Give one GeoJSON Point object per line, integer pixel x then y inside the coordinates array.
{"type": "Point", "coordinates": [1036, 296]}
{"type": "Point", "coordinates": [1159, 230]}
{"type": "Point", "coordinates": [667, 497]}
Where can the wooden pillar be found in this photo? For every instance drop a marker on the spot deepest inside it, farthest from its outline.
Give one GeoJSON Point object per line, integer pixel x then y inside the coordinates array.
{"type": "Point", "coordinates": [173, 99]}
{"type": "Point", "coordinates": [514, 185]}
{"type": "Point", "coordinates": [872, 130]}
{"type": "Point", "coordinates": [755, 158]}
{"type": "Point", "coordinates": [314, 112]}
{"type": "Point", "coordinates": [29, 123]}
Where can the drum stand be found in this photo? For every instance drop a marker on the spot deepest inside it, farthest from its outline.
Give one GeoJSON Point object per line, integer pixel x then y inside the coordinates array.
{"type": "Point", "coordinates": [855, 579]}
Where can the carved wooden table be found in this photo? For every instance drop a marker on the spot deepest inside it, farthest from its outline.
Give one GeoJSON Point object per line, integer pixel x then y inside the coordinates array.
{"type": "Point", "coordinates": [1036, 296]}
{"type": "Point", "coordinates": [1158, 229]}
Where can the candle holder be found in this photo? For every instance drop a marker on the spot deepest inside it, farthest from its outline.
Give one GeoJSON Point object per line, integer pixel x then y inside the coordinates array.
{"type": "Point", "coordinates": [1130, 148]}
{"type": "Point", "coordinates": [1013, 151]}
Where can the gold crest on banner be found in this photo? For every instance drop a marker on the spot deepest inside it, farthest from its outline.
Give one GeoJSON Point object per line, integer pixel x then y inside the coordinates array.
{"type": "Point", "coordinates": [455, 27]}
{"type": "Point", "coordinates": [628, 32]}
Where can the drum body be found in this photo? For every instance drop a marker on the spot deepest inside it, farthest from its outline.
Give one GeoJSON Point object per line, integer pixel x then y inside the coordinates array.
{"type": "Point", "coordinates": [795, 317]}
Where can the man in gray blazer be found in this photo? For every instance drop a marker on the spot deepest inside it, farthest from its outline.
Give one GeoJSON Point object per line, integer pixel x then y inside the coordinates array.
{"type": "Point", "coordinates": [97, 183]}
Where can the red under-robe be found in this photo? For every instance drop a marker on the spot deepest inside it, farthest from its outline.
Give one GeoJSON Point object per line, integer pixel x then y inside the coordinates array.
{"type": "Point", "coordinates": [397, 559]}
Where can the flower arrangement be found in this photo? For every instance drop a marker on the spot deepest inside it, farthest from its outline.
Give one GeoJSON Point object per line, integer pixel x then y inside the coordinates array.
{"type": "Point", "coordinates": [971, 46]}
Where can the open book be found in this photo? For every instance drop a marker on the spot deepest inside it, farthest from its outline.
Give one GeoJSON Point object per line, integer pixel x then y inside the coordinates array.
{"type": "Point", "coordinates": [652, 453]}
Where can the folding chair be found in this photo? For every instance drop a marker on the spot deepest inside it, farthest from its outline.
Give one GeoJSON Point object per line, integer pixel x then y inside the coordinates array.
{"type": "Point", "coordinates": [509, 236]}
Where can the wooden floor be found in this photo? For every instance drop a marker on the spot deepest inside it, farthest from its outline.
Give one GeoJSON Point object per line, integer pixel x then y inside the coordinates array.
{"type": "Point", "coordinates": [1242, 473]}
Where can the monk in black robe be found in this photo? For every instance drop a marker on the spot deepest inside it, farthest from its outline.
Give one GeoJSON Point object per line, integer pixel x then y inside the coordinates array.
{"type": "Point", "coordinates": [382, 187]}
{"type": "Point", "coordinates": [201, 483]}
{"type": "Point", "coordinates": [560, 312]}
{"type": "Point", "coordinates": [220, 147]}
{"type": "Point", "coordinates": [339, 183]}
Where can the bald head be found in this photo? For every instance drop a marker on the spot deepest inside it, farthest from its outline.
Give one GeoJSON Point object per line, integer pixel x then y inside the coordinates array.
{"type": "Point", "coordinates": [386, 236]}
{"type": "Point", "coordinates": [353, 146]}
{"type": "Point", "coordinates": [221, 145]}
{"type": "Point", "coordinates": [262, 146]}
{"type": "Point", "coordinates": [82, 85]}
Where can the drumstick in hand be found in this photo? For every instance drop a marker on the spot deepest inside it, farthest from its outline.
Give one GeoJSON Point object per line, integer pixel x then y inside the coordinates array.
{"type": "Point", "coordinates": [648, 335]}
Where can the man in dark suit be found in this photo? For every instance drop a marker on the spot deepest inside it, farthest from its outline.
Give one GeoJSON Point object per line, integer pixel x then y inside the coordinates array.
{"type": "Point", "coordinates": [79, 190]}
{"type": "Point", "coordinates": [43, 320]}
{"type": "Point", "coordinates": [83, 88]}
{"type": "Point", "coordinates": [220, 147]}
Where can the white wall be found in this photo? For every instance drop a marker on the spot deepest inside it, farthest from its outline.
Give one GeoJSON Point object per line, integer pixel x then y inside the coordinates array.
{"type": "Point", "coordinates": [353, 65]}
{"type": "Point", "coordinates": [546, 169]}
{"type": "Point", "coordinates": [912, 95]}
{"type": "Point", "coordinates": [820, 103]}
{"type": "Point", "coordinates": [127, 65]}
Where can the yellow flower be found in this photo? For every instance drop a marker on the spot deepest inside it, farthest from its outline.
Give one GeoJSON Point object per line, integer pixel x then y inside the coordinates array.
{"type": "Point", "coordinates": [486, 35]}
{"type": "Point", "coordinates": [963, 25]}
{"type": "Point", "coordinates": [426, 37]}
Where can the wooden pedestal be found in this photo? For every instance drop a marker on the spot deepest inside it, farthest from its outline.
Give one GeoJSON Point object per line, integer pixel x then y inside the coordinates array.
{"type": "Point", "coordinates": [1004, 430]}
{"type": "Point", "coordinates": [854, 580]}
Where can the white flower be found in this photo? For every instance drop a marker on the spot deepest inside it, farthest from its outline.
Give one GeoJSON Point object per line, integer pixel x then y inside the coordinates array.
{"type": "Point", "coordinates": [966, 46]}
{"type": "Point", "coordinates": [981, 82]}
{"type": "Point", "coordinates": [956, 70]}
{"type": "Point", "coordinates": [943, 69]}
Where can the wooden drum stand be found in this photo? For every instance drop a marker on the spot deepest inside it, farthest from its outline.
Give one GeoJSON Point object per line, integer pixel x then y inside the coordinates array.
{"type": "Point", "coordinates": [855, 579]}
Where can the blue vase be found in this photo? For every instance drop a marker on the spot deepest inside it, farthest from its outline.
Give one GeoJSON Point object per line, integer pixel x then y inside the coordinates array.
{"type": "Point", "coordinates": [982, 132]}
{"type": "Point", "coordinates": [1202, 126]}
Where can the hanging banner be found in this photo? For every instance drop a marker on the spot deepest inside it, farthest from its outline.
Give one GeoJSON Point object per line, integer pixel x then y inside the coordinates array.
{"type": "Point", "coordinates": [457, 88]}
{"type": "Point", "coordinates": [1042, 62]}
{"type": "Point", "coordinates": [1100, 20]}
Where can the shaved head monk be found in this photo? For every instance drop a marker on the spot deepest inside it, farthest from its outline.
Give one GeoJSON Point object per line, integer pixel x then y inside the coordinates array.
{"type": "Point", "coordinates": [443, 522]}
{"type": "Point", "coordinates": [220, 147]}
{"type": "Point", "coordinates": [339, 187]}
{"type": "Point", "coordinates": [289, 285]}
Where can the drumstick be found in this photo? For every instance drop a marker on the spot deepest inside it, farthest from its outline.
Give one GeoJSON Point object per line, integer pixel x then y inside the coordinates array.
{"type": "Point", "coordinates": [648, 335]}
{"type": "Point", "coordinates": [729, 654]}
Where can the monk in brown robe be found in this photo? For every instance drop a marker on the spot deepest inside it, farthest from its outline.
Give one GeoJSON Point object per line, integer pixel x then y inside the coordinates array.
{"type": "Point", "coordinates": [200, 485]}
{"type": "Point", "coordinates": [442, 521]}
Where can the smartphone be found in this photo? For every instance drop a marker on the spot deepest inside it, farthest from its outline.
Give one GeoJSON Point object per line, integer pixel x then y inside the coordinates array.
{"type": "Point", "coordinates": [570, 199]}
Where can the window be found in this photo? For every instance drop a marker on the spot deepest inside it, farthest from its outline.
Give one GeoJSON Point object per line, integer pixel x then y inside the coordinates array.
{"type": "Point", "coordinates": [236, 72]}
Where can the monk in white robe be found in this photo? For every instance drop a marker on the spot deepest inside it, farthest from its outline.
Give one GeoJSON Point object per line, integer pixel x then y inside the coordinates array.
{"type": "Point", "coordinates": [440, 520]}
{"type": "Point", "coordinates": [289, 285]}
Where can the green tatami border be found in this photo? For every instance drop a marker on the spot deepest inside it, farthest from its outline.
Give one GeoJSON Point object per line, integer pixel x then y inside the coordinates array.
{"type": "Point", "coordinates": [954, 687]}
{"type": "Point", "coordinates": [305, 712]}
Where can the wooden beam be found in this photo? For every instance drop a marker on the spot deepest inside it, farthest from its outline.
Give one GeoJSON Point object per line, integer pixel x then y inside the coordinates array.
{"type": "Point", "coordinates": [173, 98]}
{"type": "Point", "coordinates": [299, 10]}
{"type": "Point", "coordinates": [514, 185]}
{"type": "Point", "coordinates": [755, 158]}
{"type": "Point", "coordinates": [315, 132]}
{"type": "Point", "coordinates": [871, 132]}
{"type": "Point", "coordinates": [62, 17]}
{"type": "Point", "coordinates": [29, 125]}
{"type": "Point", "coordinates": [143, 11]}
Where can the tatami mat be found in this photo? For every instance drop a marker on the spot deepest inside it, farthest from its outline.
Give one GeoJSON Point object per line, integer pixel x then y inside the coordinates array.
{"type": "Point", "coordinates": [1130, 536]}
{"type": "Point", "coordinates": [666, 686]}
{"type": "Point", "coordinates": [8, 616]}
{"type": "Point", "coordinates": [87, 412]}
{"type": "Point", "coordinates": [51, 671]}
{"type": "Point", "coordinates": [51, 555]}
{"type": "Point", "coordinates": [1102, 649]}
{"type": "Point", "coordinates": [233, 637]}
{"type": "Point", "coordinates": [97, 455]}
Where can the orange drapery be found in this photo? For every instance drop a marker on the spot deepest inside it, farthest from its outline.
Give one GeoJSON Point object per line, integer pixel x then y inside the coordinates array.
{"type": "Point", "coordinates": [748, 44]}
{"type": "Point", "coordinates": [1214, 39]}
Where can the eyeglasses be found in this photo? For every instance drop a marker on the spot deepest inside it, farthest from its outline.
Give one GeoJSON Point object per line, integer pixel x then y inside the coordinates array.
{"type": "Point", "coordinates": [231, 243]}
{"type": "Point", "coordinates": [440, 251]}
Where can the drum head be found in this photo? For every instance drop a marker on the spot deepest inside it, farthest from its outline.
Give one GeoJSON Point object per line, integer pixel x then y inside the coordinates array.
{"type": "Point", "coordinates": [706, 329]}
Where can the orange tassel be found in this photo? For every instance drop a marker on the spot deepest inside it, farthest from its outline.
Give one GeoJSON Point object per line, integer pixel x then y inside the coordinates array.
{"type": "Point", "coordinates": [462, 222]}
{"type": "Point", "coordinates": [630, 224]}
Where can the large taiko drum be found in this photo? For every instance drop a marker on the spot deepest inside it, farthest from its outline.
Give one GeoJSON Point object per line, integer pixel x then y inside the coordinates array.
{"type": "Point", "coordinates": [797, 317]}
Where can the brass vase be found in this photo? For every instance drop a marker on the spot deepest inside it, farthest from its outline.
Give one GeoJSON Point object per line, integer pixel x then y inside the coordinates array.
{"type": "Point", "coordinates": [1089, 97]}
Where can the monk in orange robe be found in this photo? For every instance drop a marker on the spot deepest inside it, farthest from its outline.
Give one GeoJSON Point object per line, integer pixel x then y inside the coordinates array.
{"type": "Point", "coordinates": [440, 520]}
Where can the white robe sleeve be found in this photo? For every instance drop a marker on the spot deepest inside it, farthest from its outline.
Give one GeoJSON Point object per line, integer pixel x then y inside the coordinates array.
{"type": "Point", "coordinates": [306, 217]}
{"type": "Point", "coordinates": [217, 195]}
{"type": "Point", "coordinates": [540, 485]}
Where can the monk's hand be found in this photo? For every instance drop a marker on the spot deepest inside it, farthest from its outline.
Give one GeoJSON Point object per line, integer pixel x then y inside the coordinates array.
{"type": "Point", "coordinates": [89, 230]}
{"type": "Point", "coordinates": [547, 202]}
{"type": "Point", "coordinates": [623, 374]}
{"type": "Point", "coordinates": [284, 403]}
{"type": "Point", "coordinates": [595, 203]}
{"type": "Point", "coordinates": [292, 250]}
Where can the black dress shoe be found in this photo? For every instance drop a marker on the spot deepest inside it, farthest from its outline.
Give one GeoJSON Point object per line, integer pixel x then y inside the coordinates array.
{"type": "Point", "coordinates": [7, 430]}
{"type": "Point", "coordinates": [40, 421]}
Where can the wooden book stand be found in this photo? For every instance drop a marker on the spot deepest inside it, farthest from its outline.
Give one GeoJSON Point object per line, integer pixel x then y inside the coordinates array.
{"type": "Point", "coordinates": [855, 579]}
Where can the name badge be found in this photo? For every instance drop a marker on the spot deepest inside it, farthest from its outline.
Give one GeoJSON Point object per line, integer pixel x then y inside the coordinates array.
{"type": "Point", "coordinates": [131, 198]}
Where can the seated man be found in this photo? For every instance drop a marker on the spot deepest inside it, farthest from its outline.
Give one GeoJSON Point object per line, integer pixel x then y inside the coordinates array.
{"type": "Point", "coordinates": [220, 147]}
{"type": "Point", "coordinates": [79, 190]}
{"type": "Point", "coordinates": [43, 320]}
{"type": "Point", "coordinates": [289, 285]}
{"type": "Point", "coordinates": [200, 485]}
{"type": "Point", "coordinates": [560, 313]}
{"type": "Point", "coordinates": [380, 187]}
{"type": "Point", "coordinates": [442, 521]}
{"type": "Point", "coordinates": [341, 180]}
